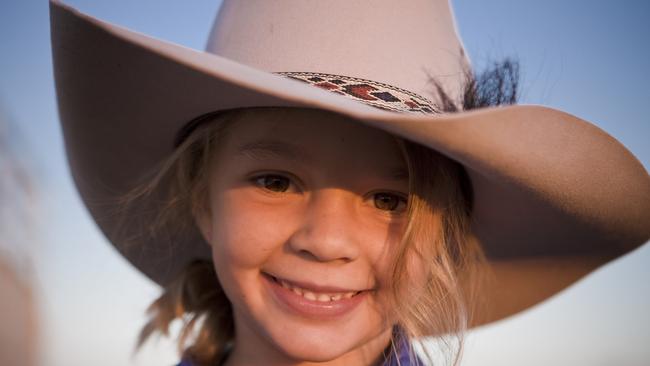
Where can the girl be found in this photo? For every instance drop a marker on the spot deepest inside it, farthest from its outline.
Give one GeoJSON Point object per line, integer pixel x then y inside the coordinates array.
{"type": "Point", "coordinates": [290, 224]}
{"type": "Point", "coordinates": [329, 201]}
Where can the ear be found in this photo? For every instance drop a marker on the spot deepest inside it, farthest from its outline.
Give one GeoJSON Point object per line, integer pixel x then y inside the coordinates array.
{"type": "Point", "coordinates": [203, 221]}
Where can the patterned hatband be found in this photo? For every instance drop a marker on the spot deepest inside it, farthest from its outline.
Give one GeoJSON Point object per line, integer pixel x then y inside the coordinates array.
{"type": "Point", "coordinates": [373, 93]}
{"type": "Point", "coordinates": [370, 92]}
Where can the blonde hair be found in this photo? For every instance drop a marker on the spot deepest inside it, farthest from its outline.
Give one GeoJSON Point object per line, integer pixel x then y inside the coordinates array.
{"type": "Point", "coordinates": [436, 234]}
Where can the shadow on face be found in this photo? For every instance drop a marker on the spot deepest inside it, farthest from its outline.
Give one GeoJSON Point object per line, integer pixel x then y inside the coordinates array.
{"type": "Point", "coordinates": [314, 200]}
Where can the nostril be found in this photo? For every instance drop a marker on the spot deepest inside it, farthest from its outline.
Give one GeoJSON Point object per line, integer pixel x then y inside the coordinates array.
{"type": "Point", "coordinates": [325, 240]}
{"type": "Point", "coordinates": [322, 257]}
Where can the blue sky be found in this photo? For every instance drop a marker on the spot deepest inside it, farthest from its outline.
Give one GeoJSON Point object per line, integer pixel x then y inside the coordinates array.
{"type": "Point", "coordinates": [589, 58]}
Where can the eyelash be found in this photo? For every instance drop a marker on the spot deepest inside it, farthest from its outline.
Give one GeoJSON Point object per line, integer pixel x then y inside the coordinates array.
{"type": "Point", "coordinates": [256, 180]}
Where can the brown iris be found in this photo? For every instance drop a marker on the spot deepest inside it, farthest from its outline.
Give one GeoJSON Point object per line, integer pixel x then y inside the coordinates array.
{"type": "Point", "coordinates": [275, 183]}
{"type": "Point", "coordinates": [387, 201]}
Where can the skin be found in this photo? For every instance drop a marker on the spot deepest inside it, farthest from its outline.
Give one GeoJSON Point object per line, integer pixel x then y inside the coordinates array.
{"type": "Point", "coordinates": [325, 214]}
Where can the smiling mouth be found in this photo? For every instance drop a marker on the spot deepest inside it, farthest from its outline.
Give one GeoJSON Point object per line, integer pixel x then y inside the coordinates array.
{"type": "Point", "coordinates": [312, 295]}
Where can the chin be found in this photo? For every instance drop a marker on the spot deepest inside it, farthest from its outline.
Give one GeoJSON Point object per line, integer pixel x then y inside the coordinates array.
{"type": "Point", "coordinates": [320, 351]}
{"type": "Point", "coordinates": [324, 344]}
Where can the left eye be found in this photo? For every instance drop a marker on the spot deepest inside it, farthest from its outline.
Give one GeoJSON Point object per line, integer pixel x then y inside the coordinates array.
{"type": "Point", "coordinates": [389, 202]}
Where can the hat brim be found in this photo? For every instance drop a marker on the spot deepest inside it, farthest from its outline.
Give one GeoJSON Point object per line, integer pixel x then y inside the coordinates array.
{"type": "Point", "coordinates": [546, 184]}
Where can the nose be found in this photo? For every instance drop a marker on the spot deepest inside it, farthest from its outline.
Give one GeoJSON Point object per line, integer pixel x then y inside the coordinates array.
{"type": "Point", "coordinates": [329, 230]}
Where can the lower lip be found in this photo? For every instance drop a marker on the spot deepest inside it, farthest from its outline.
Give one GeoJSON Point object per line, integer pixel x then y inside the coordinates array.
{"type": "Point", "coordinates": [310, 308]}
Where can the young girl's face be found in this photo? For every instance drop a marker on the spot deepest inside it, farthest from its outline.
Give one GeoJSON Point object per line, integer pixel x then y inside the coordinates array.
{"type": "Point", "coordinates": [304, 209]}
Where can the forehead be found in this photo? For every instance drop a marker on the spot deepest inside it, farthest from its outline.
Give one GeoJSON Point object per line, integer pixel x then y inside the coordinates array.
{"type": "Point", "coordinates": [312, 135]}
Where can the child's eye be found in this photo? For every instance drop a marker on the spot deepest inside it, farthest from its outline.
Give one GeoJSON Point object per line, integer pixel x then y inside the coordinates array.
{"type": "Point", "coordinates": [272, 182]}
{"type": "Point", "coordinates": [390, 202]}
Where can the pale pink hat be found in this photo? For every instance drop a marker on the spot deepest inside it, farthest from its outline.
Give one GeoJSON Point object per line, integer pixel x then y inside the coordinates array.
{"type": "Point", "coordinates": [546, 184]}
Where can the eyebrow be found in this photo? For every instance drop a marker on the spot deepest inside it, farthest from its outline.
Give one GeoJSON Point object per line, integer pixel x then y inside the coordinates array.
{"type": "Point", "coordinates": [398, 175]}
{"type": "Point", "coordinates": [265, 149]}
{"type": "Point", "coordinates": [268, 149]}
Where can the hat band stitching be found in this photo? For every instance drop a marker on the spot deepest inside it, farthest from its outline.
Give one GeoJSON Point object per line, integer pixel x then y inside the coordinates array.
{"type": "Point", "coordinates": [370, 92]}
{"type": "Point", "coordinates": [373, 93]}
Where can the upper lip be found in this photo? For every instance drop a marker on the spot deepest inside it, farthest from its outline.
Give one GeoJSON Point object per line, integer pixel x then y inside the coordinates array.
{"type": "Point", "coordinates": [317, 288]}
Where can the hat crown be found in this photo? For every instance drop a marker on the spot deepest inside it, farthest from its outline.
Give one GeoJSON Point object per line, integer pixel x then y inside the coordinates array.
{"type": "Point", "coordinates": [401, 43]}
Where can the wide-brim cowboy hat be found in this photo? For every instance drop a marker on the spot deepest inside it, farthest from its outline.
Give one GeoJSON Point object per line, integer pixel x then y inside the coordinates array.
{"type": "Point", "coordinates": [554, 196]}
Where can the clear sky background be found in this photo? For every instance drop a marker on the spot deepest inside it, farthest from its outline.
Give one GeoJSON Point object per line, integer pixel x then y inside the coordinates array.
{"type": "Point", "coordinates": [589, 58]}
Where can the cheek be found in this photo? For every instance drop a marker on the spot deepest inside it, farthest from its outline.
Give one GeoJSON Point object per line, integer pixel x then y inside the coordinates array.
{"type": "Point", "coordinates": [244, 234]}
{"type": "Point", "coordinates": [386, 247]}
{"type": "Point", "coordinates": [410, 272]}
{"type": "Point", "coordinates": [381, 255]}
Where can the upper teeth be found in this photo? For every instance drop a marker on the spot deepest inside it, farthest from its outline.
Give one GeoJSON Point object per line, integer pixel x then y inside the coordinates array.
{"type": "Point", "coordinates": [316, 296]}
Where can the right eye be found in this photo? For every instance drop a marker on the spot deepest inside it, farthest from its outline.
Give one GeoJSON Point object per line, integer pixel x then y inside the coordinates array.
{"type": "Point", "coordinates": [272, 182]}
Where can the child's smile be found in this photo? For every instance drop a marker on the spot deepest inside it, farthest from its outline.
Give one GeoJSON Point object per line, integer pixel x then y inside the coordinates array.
{"type": "Point", "coordinates": [305, 206]}
{"type": "Point", "coordinates": [313, 300]}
